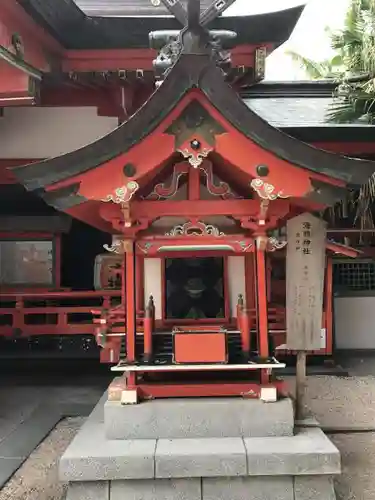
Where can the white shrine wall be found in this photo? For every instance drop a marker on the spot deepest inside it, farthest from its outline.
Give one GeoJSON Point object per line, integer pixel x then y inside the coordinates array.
{"type": "Point", "coordinates": [354, 323]}
{"type": "Point", "coordinates": [236, 281]}
{"type": "Point", "coordinates": [153, 283]}
{"type": "Point", "coordinates": [43, 132]}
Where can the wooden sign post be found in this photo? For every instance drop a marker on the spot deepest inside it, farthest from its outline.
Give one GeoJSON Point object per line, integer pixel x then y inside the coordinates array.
{"type": "Point", "coordinates": [305, 269]}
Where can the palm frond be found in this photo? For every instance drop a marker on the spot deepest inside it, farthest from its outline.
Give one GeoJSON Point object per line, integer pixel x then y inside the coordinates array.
{"type": "Point", "coordinates": [315, 70]}
{"type": "Point", "coordinates": [344, 112]}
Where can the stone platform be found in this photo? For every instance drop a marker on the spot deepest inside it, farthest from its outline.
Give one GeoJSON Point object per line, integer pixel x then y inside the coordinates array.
{"type": "Point", "coordinates": [198, 458]}
{"type": "Point", "coordinates": [198, 418]}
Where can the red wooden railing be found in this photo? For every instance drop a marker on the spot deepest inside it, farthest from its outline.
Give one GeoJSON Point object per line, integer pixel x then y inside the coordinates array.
{"type": "Point", "coordinates": [47, 313]}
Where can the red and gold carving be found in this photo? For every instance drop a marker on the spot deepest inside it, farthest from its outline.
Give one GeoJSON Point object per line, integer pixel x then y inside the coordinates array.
{"type": "Point", "coordinates": [116, 246]}
{"type": "Point", "coordinates": [267, 191]}
{"type": "Point", "coordinates": [163, 191]}
{"type": "Point", "coordinates": [195, 157]}
{"type": "Point", "coordinates": [222, 189]}
{"type": "Point", "coordinates": [235, 243]}
{"type": "Point", "coordinates": [122, 194]}
{"type": "Point", "coordinates": [195, 228]}
{"type": "Point", "coordinates": [274, 244]}
{"type": "Point", "coordinates": [269, 244]}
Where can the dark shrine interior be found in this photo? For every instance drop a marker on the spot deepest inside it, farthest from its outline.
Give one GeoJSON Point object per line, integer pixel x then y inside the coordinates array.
{"type": "Point", "coordinates": [194, 288]}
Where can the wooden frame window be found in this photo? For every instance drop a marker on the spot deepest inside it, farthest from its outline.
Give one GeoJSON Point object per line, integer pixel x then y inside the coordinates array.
{"type": "Point", "coordinates": [27, 261]}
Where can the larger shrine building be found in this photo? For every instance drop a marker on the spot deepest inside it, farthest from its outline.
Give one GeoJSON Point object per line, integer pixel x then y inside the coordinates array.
{"type": "Point", "coordinates": [115, 129]}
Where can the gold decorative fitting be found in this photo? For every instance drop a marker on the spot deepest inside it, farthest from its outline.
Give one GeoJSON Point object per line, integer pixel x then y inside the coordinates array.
{"type": "Point", "coordinates": [123, 194]}
{"type": "Point", "coordinates": [260, 62]}
{"type": "Point", "coordinates": [195, 229]}
{"type": "Point", "coordinates": [266, 191]}
{"type": "Point", "coordinates": [274, 244]}
{"type": "Point", "coordinates": [194, 158]}
{"type": "Point", "coordinates": [116, 247]}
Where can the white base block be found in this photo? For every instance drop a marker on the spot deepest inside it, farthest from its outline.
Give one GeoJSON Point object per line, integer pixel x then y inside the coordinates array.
{"type": "Point", "coordinates": [129, 397]}
{"type": "Point", "coordinates": [268, 394]}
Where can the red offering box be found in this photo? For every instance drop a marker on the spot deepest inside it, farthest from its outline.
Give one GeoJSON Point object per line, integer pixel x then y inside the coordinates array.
{"type": "Point", "coordinates": [202, 347]}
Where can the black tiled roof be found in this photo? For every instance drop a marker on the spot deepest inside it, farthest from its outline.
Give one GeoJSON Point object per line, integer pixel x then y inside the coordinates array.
{"type": "Point", "coordinates": [76, 29]}
{"type": "Point", "coordinates": [127, 7]}
{"type": "Point", "coordinates": [289, 112]}
{"type": "Point", "coordinates": [282, 112]}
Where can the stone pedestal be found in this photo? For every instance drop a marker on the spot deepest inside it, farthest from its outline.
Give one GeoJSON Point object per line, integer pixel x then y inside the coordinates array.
{"type": "Point", "coordinates": [206, 449]}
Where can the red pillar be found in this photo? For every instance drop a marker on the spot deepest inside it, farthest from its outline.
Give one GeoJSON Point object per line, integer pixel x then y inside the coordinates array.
{"type": "Point", "coordinates": [250, 280]}
{"type": "Point", "coordinates": [245, 329]}
{"type": "Point", "coordinates": [262, 308]}
{"type": "Point", "coordinates": [130, 300]}
{"type": "Point", "coordinates": [139, 278]}
{"type": "Point", "coordinates": [147, 332]}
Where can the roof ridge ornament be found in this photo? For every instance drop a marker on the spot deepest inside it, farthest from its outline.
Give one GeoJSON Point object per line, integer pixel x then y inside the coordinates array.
{"type": "Point", "coordinates": [194, 38]}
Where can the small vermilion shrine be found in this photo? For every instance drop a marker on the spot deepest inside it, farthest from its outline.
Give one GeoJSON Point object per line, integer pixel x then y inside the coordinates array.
{"type": "Point", "coordinates": [196, 190]}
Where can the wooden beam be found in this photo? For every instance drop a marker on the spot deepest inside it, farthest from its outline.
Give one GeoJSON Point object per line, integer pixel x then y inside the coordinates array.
{"type": "Point", "coordinates": [203, 208]}
{"type": "Point", "coordinates": [17, 86]}
{"type": "Point", "coordinates": [133, 59]}
{"type": "Point", "coordinates": [108, 60]}
{"type": "Point", "coordinates": [155, 209]}
{"type": "Point", "coordinates": [39, 46]}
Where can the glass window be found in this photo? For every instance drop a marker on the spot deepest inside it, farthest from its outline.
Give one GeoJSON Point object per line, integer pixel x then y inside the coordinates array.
{"type": "Point", "coordinates": [26, 262]}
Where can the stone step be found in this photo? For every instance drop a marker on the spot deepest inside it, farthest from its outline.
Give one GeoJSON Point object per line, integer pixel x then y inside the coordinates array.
{"type": "Point", "coordinates": [198, 418]}
{"type": "Point", "coordinates": [230, 488]}
{"type": "Point", "coordinates": [290, 467]}
{"type": "Point", "coordinates": [92, 457]}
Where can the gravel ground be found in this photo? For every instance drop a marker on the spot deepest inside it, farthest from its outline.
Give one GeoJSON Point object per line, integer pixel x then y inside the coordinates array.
{"type": "Point", "coordinates": [336, 402]}
{"type": "Point", "coordinates": [37, 478]}
{"type": "Point", "coordinates": [357, 481]}
{"type": "Point", "coordinates": [341, 401]}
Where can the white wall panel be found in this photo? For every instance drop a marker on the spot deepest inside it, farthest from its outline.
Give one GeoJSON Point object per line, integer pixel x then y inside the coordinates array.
{"type": "Point", "coordinates": [354, 322]}
{"type": "Point", "coordinates": [153, 283]}
{"type": "Point", "coordinates": [236, 281]}
{"type": "Point", "coordinates": [43, 132]}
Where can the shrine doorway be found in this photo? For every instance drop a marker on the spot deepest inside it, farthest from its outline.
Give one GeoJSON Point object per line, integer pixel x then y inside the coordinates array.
{"type": "Point", "coordinates": [194, 288]}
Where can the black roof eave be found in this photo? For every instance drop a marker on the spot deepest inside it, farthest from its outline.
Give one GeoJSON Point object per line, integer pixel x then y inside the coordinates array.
{"type": "Point", "coordinates": [290, 89]}
{"type": "Point", "coordinates": [75, 30]}
{"type": "Point", "coordinates": [194, 71]}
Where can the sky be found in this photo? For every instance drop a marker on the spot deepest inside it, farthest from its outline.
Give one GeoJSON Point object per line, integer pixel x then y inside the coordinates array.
{"type": "Point", "coordinates": [308, 39]}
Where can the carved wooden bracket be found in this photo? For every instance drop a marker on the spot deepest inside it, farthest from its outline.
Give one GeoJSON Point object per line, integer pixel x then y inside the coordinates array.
{"type": "Point", "coordinates": [266, 191]}
{"type": "Point", "coordinates": [163, 191]}
{"type": "Point", "coordinates": [193, 156]}
{"type": "Point", "coordinates": [122, 194]}
{"type": "Point", "coordinates": [195, 228]}
{"type": "Point", "coordinates": [133, 230]}
{"type": "Point", "coordinates": [222, 189]}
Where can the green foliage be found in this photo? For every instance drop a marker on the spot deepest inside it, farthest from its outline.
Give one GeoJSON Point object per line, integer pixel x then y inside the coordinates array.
{"type": "Point", "coordinates": [317, 70]}
{"type": "Point", "coordinates": [353, 67]}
